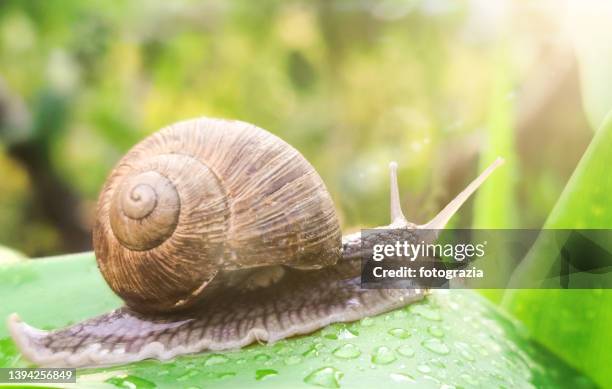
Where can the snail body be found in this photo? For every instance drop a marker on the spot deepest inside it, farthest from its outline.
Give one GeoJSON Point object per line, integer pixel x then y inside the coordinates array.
{"type": "Point", "coordinates": [215, 234]}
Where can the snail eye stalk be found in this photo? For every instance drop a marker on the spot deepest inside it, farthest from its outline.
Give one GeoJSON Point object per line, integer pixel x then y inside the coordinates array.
{"type": "Point", "coordinates": [397, 216]}
{"type": "Point", "coordinates": [442, 218]}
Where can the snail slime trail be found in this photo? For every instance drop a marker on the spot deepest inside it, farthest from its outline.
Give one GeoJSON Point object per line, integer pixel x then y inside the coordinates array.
{"type": "Point", "coordinates": [216, 234]}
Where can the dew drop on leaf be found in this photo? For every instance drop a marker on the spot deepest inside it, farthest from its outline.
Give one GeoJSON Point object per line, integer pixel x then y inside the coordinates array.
{"type": "Point", "coordinates": [406, 351]}
{"type": "Point", "coordinates": [130, 381]}
{"type": "Point", "coordinates": [215, 359]}
{"type": "Point", "coordinates": [400, 333]}
{"type": "Point", "coordinates": [467, 355]}
{"type": "Point", "coordinates": [425, 311]}
{"type": "Point", "coordinates": [347, 351]}
{"type": "Point", "coordinates": [347, 333]}
{"type": "Point", "coordinates": [383, 355]}
{"type": "Point", "coordinates": [293, 360]}
{"type": "Point", "coordinates": [401, 377]}
{"type": "Point", "coordinates": [262, 357]}
{"type": "Point", "coordinates": [469, 379]}
{"type": "Point", "coordinates": [265, 373]}
{"type": "Point", "coordinates": [190, 373]}
{"type": "Point", "coordinates": [283, 350]}
{"type": "Point", "coordinates": [327, 377]}
{"type": "Point", "coordinates": [436, 346]}
{"type": "Point", "coordinates": [222, 375]}
{"type": "Point", "coordinates": [310, 351]}
{"type": "Point", "coordinates": [367, 322]}
{"type": "Point", "coordinates": [436, 331]}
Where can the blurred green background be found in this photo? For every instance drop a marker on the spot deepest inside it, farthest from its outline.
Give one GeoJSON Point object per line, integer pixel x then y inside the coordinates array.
{"type": "Point", "coordinates": [442, 87]}
{"type": "Point", "coordinates": [436, 85]}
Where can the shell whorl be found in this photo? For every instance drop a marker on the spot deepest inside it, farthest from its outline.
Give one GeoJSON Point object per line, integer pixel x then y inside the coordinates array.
{"type": "Point", "coordinates": [207, 196]}
{"type": "Point", "coordinates": [145, 210]}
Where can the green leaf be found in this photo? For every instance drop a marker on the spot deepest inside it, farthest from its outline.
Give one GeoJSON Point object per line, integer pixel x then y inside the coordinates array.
{"type": "Point", "coordinates": [573, 323]}
{"type": "Point", "coordinates": [452, 338]}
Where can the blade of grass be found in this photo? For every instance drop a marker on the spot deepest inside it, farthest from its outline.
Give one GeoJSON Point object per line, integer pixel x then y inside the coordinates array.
{"type": "Point", "coordinates": [494, 202]}
{"type": "Point", "coordinates": [574, 323]}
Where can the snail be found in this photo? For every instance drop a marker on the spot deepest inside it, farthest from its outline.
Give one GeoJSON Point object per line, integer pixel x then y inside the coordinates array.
{"type": "Point", "coordinates": [216, 234]}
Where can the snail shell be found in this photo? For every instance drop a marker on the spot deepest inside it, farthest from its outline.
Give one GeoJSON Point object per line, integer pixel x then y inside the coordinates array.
{"type": "Point", "coordinates": [217, 234]}
{"type": "Point", "coordinates": [204, 197]}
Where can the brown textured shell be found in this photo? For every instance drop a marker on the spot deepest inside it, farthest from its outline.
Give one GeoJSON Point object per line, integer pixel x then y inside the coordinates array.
{"type": "Point", "coordinates": [203, 197]}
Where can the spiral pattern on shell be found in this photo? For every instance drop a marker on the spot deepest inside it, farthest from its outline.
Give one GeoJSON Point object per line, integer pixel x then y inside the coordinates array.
{"type": "Point", "coordinates": [204, 197]}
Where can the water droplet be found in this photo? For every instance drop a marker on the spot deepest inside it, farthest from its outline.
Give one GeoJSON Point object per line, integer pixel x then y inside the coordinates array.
{"type": "Point", "coordinates": [347, 333]}
{"type": "Point", "coordinates": [469, 379]}
{"type": "Point", "coordinates": [293, 360]}
{"type": "Point", "coordinates": [401, 377]}
{"type": "Point", "coordinates": [283, 350]}
{"type": "Point", "coordinates": [424, 369]}
{"type": "Point", "coordinates": [327, 377]}
{"type": "Point", "coordinates": [130, 381]}
{"type": "Point", "coordinates": [188, 374]}
{"type": "Point", "coordinates": [400, 333]}
{"type": "Point", "coordinates": [224, 375]}
{"type": "Point", "coordinates": [312, 350]}
{"type": "Point", "coordinates": [353, 328]}
{"type": "Point", "coordinates": [425, 311]}
{"type": "Point", "coordinates": [215, 359]}
{"type": "Point", "coordinates": [330, 332]}
{"type": "Point", "coordinates": [481, 349]}
{"type": "Point", "coordinates": [367, 321]}
{"type": "Point", "coordinates": [347, 351]}
{"type": "Point", "coordinates": [464, 351]}
{"type": "Point", "coordinates": [467, 355]}
{"type": "Point", "coordinates": [436, 331]}
{"type": "Point", "coordinates": [436, 346]}
{"type": "Point", "coordinates": [240, 361]}
{"type": "Point", "coordinates": [265, 373]}
{"type": "Point", "coordinates": [383, 355]}
{"type": "Point", "coordinates": [406, 351]}
{"type": "Point", "coordinates": [262, 357]}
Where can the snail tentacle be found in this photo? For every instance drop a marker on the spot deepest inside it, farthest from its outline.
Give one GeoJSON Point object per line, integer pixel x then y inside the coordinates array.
{"type": "Point", "coordinates": [397, 215]}
{"type": "Point", "coordinates": [428, 232]}
{"type": "Point", "coordinates": [442, 218]}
